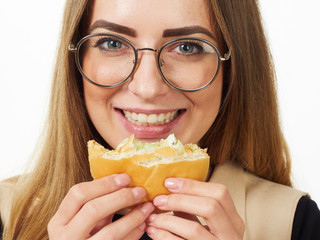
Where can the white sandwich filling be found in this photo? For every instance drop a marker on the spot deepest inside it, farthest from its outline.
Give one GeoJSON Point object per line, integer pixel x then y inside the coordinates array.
{"type": "Point", "coordinates": [150, 119]}
{"type": "Point", "coordinates": [161, 160]}
{"type": "Point", "coordinates": [137, 148]}
{"type": "Point", "coordinates": [158, 159]}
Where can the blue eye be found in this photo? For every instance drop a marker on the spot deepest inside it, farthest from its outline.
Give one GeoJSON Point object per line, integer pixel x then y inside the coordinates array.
{"type": "Point", "coordinates": [108, 44]}
{"type": "Point", "coordinates": [112, 44]}
{"type": "Point", "coordinates": [188, 48]}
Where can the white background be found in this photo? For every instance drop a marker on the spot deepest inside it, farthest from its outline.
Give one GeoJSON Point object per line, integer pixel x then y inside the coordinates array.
{"type": "Point", "coordinates": [28, 42]}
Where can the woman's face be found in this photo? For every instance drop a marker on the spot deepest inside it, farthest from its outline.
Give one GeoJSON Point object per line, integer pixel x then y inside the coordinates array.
{"type": "Point", "coordinates": [145, 93]}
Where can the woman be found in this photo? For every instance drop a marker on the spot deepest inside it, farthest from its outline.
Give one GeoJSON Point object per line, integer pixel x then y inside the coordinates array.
{"type": "Point", "coordinates": [208, 66]}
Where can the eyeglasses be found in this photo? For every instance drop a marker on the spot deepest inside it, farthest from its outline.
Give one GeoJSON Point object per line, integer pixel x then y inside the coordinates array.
{"type": "Point", "coordinates": [187, 64]}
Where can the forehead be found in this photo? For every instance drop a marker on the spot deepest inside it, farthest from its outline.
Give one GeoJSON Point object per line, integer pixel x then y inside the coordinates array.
{"type": "Point", "coordinates": [152, 16]}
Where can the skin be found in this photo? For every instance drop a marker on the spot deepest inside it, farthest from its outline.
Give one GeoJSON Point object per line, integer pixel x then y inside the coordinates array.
{"type": "Point", "coordinates": [88, 208]}
{"type": "Point", "coordinates": [84, 214]}
{"type": "Point", "coordinates": [146, 92]}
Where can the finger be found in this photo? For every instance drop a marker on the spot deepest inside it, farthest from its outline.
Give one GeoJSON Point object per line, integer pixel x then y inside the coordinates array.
{"type": "Point", "coordinates": [159, 234]}
{"type": "Point", "coordinates": [81, 193]}
{"type": "Point", "coordinates": [127, 226]}
{"type": "Point", "coordinates": [197, 188]}
{"type": "Point", "coordinates": [218, 221]}
{"type": "Point", "coordinates": [181, 227]}
{"type": "Point", "coordinates": [101, 224]}
{"type": "Point", "coordinates": [99, 208]}
{"type": "Point", "coordinates": [135, 234]}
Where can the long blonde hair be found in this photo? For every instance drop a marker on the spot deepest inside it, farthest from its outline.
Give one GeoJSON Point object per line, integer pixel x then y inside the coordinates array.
{"type": "Point", "coordinates": [246, 131]}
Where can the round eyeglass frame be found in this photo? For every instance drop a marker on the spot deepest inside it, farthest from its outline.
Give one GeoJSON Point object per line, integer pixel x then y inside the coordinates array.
{"type": "Point", "coordinates": [75, 49]}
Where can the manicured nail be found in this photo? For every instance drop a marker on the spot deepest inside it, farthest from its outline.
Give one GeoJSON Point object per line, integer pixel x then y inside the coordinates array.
{"type": "Point", "coordinates": [173, 184]}
{"type": "Point", "coordinates": [160, 200]}
{"type": "Point", "coordinates": [151, 218]}
{"type": "Point", "coordinates": [122, 179]}
{"type": "Point", "coordinates": [138, 192]}
{"type": "Point", "coordinates": [147, 208]}
{"type": "Point", "coordinates": [142, 226]}
{"type": "Point", "coordinates": [151, 230]}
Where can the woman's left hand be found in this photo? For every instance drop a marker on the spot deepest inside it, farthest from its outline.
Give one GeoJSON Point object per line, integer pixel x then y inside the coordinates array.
{"type": "Point", "coordinates": [191, 198]}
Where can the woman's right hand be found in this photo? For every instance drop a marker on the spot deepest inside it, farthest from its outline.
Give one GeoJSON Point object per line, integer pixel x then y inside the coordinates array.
{"type": "Point", "coordinates": [87, 210]}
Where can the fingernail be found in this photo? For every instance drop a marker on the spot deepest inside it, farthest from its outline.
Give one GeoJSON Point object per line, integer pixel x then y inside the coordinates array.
{"type": "Point", "coordinates": [138, 192]}
{"type": "Point", "coordinates": [147, 208]}
{"type": "Point", "coordinates": [122, 179]}
{"type": "Point", "coordinates": [151, 218]}
{"type": "Point", "coordinates": [160, 200]}
{"type": "Point", "coordinates": [151, 230]}
{"type": "Point", "coordinates": [173, 184]}
{"type": "Point", "coordinates": [142, 226]}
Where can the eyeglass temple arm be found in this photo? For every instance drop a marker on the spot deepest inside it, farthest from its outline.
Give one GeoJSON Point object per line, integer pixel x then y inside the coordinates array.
{"type": "Point", "coordinates": [226, 56]}
{"type": "Point", "coordinates": [72, 48]}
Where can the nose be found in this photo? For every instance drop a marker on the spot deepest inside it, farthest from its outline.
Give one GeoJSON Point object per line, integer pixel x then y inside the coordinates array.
{"type": "Point", "coordinates": [146, 82]}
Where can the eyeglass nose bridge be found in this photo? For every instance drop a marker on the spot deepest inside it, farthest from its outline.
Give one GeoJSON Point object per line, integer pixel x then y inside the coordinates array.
{"type": "Point", "coordinates": [147, 49]}
{"type": "Point", "coordinates": [161, 62]}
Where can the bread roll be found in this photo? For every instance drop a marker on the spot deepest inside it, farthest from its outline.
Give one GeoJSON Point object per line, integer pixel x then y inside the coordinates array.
{"type": "Point", "coordinates": [149, 164]}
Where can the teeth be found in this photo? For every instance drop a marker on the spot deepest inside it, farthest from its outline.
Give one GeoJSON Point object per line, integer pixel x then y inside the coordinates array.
{"type": "Point", "coordinates": [134, 116]}
{"type": "Point", "coordinates": [150, 119]}
{"type": "Point", "coordinates": [143, 118]}
{"type": "Point", "coordinates": [161, 117]}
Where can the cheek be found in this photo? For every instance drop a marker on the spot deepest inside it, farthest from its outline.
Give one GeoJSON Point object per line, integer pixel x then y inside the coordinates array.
{"type": "Point", "coordinates": [206, 105]}
{"type": "Point", "coordinates": [96, 100]}
{"type": "Point", "coordinates": [92, 94]}
{"type": "Point", "coordinates": [210, 105]}
{"type": "Point", "coordinates": [103, 72]}
{"type": "Point", "coordinates": [209, 99]}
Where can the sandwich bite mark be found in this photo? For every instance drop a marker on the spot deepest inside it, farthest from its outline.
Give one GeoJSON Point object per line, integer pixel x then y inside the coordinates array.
{"type": "Point", "coordinates": [150, 164]}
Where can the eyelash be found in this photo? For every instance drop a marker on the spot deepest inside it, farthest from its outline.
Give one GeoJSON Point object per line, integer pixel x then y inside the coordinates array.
{"type": "Point", "coordinates": [193, 43]}
{"type": "Point", "coordinates": [101, 40]}
{"type": "Point", "coordinates": [186, 48]}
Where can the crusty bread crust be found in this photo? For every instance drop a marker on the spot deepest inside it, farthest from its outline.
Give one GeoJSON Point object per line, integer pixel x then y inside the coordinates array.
{"type": "Point", "coordinates": [148, 169]}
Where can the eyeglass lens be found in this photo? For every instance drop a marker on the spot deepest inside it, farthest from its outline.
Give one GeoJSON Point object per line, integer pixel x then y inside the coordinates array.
{"type": "Point", "coordinates": [186, 64]}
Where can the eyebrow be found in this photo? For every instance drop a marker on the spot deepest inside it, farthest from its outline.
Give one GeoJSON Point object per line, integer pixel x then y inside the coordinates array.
{"type": "Point", "coordinates": [175, 32]}
{"type": "Point", "coordinates": [113, 27]}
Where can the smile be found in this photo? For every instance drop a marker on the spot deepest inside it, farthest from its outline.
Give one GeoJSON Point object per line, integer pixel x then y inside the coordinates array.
{"type": "Point", "coordinates": [153, 119]}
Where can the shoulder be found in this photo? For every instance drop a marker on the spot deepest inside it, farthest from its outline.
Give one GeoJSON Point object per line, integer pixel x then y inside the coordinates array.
{"type": "Point", "coordinates": [270, 194]}
{"type": "Point", "coordinates": [306, 220]}
{"type": "Point", "coordinates": [272, 206]}
{"type": "Point", "coordinates": [267, 208]}
{"type": "Point", "coordinates": [6, 195]}
{"type": "Point", "coordinates": [254, 187]}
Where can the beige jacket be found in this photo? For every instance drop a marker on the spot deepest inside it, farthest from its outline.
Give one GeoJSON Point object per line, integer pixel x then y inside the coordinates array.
{"type": "Point", "coordinates": [267, 208]}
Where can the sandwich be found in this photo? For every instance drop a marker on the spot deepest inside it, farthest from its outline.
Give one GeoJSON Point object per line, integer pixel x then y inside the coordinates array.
{"type": "Point", "coordinates": [149, 164]}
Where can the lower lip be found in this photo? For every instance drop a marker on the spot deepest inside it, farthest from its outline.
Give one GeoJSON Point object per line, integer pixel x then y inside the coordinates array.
{"type": "Point", "coordinates": [149, 132]}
